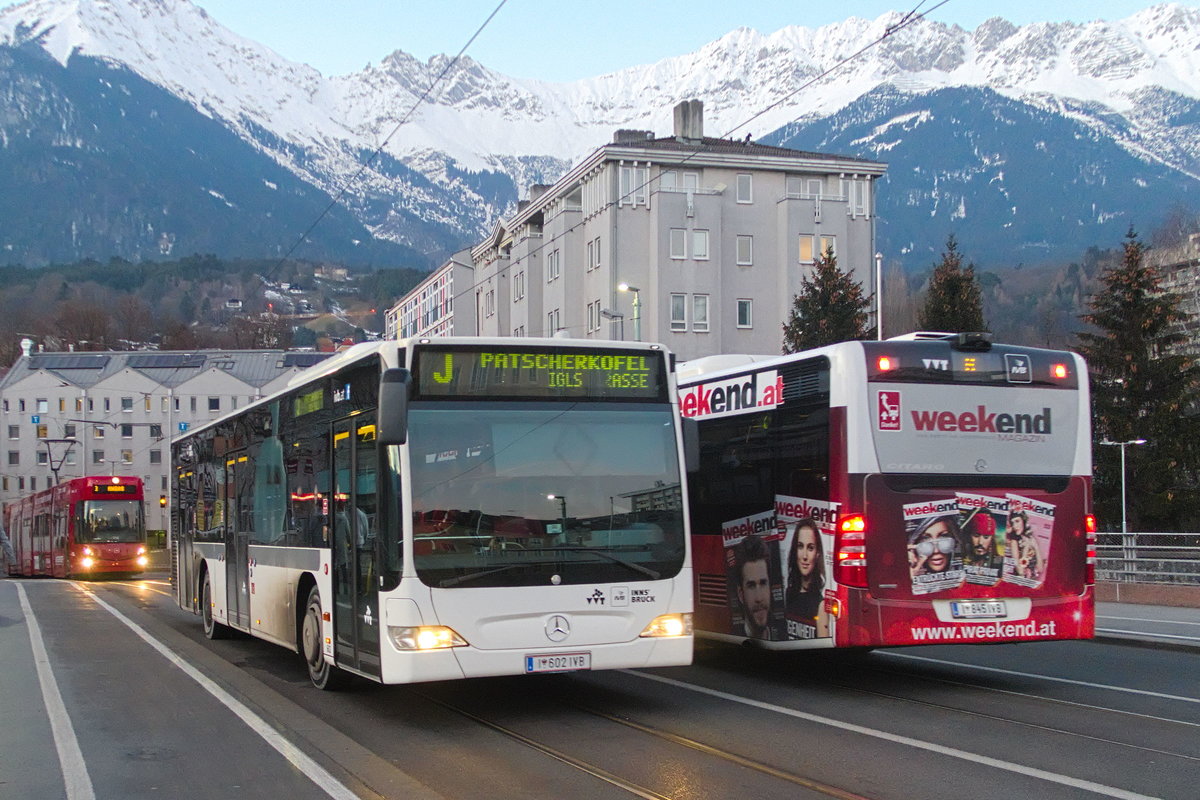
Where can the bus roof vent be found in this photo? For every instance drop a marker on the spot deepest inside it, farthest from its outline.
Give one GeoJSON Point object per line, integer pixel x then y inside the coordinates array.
{"type": "Point", "coordinates": [978, 341]}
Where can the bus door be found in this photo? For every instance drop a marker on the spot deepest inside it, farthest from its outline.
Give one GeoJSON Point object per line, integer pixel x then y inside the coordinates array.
{"type": "Point", "coordinates": [355, 520]}
{"type": "Point", "coordinates": [239, 503]}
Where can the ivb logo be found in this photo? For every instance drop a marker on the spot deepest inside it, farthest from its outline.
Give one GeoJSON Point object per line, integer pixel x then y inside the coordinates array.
{"type": "Point", "coordinates": [1019, 368]}
{"type": "Point", "coordinates": [889, 410]}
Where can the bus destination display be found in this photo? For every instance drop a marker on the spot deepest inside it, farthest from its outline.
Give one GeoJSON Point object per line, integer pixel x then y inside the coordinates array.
{"type": "Point", "coordinates": [540, 373]}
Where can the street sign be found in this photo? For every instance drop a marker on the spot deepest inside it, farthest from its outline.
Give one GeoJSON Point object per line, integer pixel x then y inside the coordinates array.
{"type": "Point", "coordinates": [183, 426]}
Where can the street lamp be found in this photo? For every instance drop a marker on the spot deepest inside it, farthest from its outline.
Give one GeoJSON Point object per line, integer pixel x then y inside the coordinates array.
{"type": "Point", "coordinates": [637, 308]}
{"type": "Point", "coordinates": [613, 315]}
{"type": "Point", "coordinates": [1124, 525]}
{"type": "Point", "coordinates": [879, 296]}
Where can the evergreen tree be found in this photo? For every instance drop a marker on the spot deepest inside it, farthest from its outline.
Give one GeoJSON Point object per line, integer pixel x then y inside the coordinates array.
{"type": "Point", "coordinates": [830, 307]}
{"type": "Point", "coordinates": [953, 302]}
{"type": "Point", "coordinates": [1142, 388]}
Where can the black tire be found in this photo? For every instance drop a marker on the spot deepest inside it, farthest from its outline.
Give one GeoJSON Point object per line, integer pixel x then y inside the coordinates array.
{"type": "Point", "coordinates": [324, 675]}
{"type": "Point", "coordinates": [212, 628]}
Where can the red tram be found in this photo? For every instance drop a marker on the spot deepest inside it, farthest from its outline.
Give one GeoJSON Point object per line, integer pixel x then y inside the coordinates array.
{"type": "Point", "coordinates": [79, 528]}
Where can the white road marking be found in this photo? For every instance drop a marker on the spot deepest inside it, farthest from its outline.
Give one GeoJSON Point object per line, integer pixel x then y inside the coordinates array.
{"type": "Point", "coordinates": [1053, 777]}
{"type": "Point", "coordinates": [1142, 619]}
{"type": "Point", "coordinates": [1089, 684]}
{"type": "Point", "coordinates": [1150, 635]}
{"type": "Point", "coordinates": [70, 757]}
{"type": "Point", "coordinates": [296, 757]}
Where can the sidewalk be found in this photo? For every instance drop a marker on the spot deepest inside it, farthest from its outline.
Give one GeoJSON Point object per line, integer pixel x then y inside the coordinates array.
{"type": "Point", "coordinates": [1165, 626]}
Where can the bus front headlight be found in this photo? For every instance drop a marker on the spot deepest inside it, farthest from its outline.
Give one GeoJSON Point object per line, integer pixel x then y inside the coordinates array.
{"type": "Point", "coordinates": [425, 637]}
{"type": "Point", "coordinates": [668, 625]}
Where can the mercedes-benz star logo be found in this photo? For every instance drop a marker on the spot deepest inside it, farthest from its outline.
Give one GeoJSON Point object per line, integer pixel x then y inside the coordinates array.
{"type": "Point", "coordinates": [558, 628]}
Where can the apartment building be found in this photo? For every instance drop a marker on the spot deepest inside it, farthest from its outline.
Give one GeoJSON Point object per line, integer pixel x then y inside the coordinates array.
{"type": "Point", "coordinates": [693, 241]}
{"type": "Point", "coordinates": [66, 415]}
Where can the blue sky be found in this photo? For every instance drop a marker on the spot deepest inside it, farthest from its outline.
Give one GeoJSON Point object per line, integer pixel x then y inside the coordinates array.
{"type": "Point", "coordinates": [569, 39]}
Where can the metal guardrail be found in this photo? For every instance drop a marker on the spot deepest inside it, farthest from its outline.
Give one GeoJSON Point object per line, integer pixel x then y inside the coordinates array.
{"type": "Point", "coordinates": [1172, 558]}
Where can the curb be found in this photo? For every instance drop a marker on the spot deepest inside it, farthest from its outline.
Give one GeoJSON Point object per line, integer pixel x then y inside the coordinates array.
{"type": "Point", "coordinates": [1187, 645]}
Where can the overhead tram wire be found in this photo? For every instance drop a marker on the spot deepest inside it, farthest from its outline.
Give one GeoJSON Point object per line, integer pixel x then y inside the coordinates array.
{"type": "Point", "coordinates": [907, 20]}
{"type": "Point", "coordinates": [374, 155]}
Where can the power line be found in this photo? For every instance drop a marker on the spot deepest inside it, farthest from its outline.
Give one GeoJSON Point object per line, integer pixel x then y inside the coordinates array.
{"type": "Point", "coordinates": [370, 159]}
{"type": "Point", "coordinates": [908, 19]}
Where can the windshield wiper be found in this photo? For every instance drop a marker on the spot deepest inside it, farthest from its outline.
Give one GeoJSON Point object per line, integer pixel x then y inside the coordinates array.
{"type": "Point", "coordinates": [652, 574]}
{"type": "Point", "coordinates": [475, 575]}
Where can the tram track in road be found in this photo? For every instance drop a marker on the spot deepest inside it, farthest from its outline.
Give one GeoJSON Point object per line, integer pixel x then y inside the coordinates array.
{"type": "Point", "coordinates": [675, 739]}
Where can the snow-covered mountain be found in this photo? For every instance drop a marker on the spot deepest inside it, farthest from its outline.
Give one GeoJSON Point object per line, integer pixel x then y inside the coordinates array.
{"type": "Point", "coordinates": [459, 142]}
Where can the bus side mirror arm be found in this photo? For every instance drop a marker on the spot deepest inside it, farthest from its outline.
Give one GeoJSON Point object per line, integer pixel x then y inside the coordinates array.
{"type": "Point", "coordinates": [393, 406]}
{"type": "Point", "coordinates": [691, 444]}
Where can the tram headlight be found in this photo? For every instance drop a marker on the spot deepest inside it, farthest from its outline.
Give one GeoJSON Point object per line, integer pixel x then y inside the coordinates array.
{"type": "Point", "coordinates": [668, 625]}
{"type": "Point", "coordinates": [142, 561]}
{"type": "Point", "coordinates": [425, 637]}
{"type": "Point", "coordinates": [86, 562]}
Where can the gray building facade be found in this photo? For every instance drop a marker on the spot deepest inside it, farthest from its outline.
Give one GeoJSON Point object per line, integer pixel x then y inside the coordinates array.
{"type": "Point", "coordinates": [696, 242]}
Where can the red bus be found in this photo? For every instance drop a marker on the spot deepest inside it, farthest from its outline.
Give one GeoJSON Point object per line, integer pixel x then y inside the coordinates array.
{"type": "Point", "coordinates": [926, 490]}
{"type": "Point", "coordinates": [79, 528]}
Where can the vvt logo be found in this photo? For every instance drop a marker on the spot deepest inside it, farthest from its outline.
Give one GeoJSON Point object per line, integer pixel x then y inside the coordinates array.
{"type": "Point", "coordinates": [596, 598]}
{"type": "Point", "coordinates": [889, 411]}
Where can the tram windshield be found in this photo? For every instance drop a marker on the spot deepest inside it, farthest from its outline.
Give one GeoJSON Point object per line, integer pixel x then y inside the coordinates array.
{"type": "Point", "coordinates": [111, 521]}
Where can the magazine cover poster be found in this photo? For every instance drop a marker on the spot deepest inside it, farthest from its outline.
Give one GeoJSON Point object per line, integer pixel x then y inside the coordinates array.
{"type": "Point", "coordinates": [754, 578]}
{"type": "Point", "coordinates": [982, 520]}
{"type": "Point", "coordinates": [1027, 541]}
{"type": "Point", "coordinates": [934, 545]}
{"type": "Point", "coordinates": [808, 527]}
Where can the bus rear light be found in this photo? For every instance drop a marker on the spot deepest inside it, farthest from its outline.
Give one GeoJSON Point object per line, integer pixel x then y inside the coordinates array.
{"type": "Point", "coordinates": [833, 607]}
{"type": "Point", "coordinates": [1058, 371]}
{"type": "Point", "coordinates": [886, 363]}
{"type": "Point", "coordinates": [1089, 571]}
{"type": "Point", "coordinates": [850, 552]}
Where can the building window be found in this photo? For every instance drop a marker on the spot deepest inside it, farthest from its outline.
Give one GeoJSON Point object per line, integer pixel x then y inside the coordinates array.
{"type": "Point", "coordinates": [70, 457]}
{"type": "Point", "coordinates": [668, 179]}
{"type": "Point", "coordinates": [156, 456]}
{"type": "Point", "coordinates": [679, 312]}
{"type": "Point", "coordinates": [97, 432]}
{"type": "Point", "coordinates": [21, 483]}
{"type": "Point", "coordinates": [155, 431]}
{"type": "Point", "coordinates": [214, 404]}
{"type": "Point", "coordinates": [594, 251]}
{"type": "Point", "coordinates": [806, 248]}
{"type": "Point", "coordinates": [43, 458]}
{"type": "Point", "coordinates": [700, 245]}
{"type": "Point", "coordinates": [126, 456]}
{"type": "Point", "coordinates": [21, 406]}
{"type": "Point", "coordinates": [745, 313]}
{"type": "Point", "coordinates": [127, 404]}
{"type": "Point", "coordinates": [43, 431]}
{"type": "Point", "coordinates": [700, 313]}
{"type": "Point", "coordinates": [14, 431]}
{"type": "Point", "coordinates": [553, 265]}
{"type": "Point", "coordinates": [678, 243]}
{"type": "Point", "coordinates": [745, 188]}
{"type": "Point", "coordinates": [97, 456]}
{"type": "Point", "coordinates": [166, 403]}
{"type": "Point", "coordinates": [519, 286]}
{"type": "Point", "coordinates": [126, 431]}
{"type": "Point", "coordinates": [33, 483]}
{"type": "Point", "coordinates": [828, 245]}
{"type": "Point", "coordinates": [4, 480]}
{"type": "Point", "coordinates": [633, 189]}
{"type": "Point", "coordinates": [193, 404]}
{"type": "Point", "coordinates": [107, 404]}
{"type": "Point", "coordinates": [14, 458]}
{"type": "Point", "coordinates": [62, 405]}
{"type": "Point", "coordinates": [553, 320]}
{"type": "Point", "coordinates": [745, 251]}
{"type": "Point", "coordinates": [79, 404]}
{"type": "Point", "coordinates": [43, 405]}
{"type": "Point", "coordinates": [6, 406]}
{"type": "Point", "coordinates": [148, 403]}
{"type": "Point", "coordinates": [69, 431]}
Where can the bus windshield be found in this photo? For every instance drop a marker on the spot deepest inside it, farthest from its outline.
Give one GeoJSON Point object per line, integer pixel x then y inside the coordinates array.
{"type": "Point", "coordinates": [111, 521]}
{"type": "Point", "coordinates": [508, 495]}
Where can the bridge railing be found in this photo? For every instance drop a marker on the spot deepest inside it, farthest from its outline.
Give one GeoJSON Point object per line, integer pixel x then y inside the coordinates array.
{"type": "Point", "coordinates": [1172, 558]}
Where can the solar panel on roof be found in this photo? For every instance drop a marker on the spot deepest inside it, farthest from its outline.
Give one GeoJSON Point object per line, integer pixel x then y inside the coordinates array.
{"type": "Point", "coordinates": [68, 361]}
{"type": "Point", "coordinates": [165, 360]}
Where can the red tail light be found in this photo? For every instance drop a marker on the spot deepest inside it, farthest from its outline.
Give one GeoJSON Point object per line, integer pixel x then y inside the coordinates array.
{"type": "Point", "coordinates": [1089, 571]}
{"type": "Point", "coordinates": [850, 552]}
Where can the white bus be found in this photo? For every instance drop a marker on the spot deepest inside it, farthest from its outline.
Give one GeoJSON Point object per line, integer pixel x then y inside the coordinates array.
{"type": "Point", "coordinates": [872, 494]}
{"type": "Point", "coordinates": [428, 509]}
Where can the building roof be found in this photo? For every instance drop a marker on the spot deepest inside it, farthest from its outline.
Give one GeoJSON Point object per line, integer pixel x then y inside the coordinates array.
{"type": "Point", "coordinates": [165, 367]}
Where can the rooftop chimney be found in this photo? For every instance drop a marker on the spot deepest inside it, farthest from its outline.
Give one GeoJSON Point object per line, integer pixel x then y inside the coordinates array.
{"type": "Point", "coordinates": [26, 347]}
{"type": "Point", "coordinates": [689, 121]}
{"type": "Point", "coordinates": [629, 136]}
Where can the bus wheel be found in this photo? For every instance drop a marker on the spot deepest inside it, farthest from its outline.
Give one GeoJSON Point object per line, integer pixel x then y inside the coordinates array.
{"type": "Point", "coordinates": [212, 628]}
{"type": "Point", "coordinates": [323, 674]}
